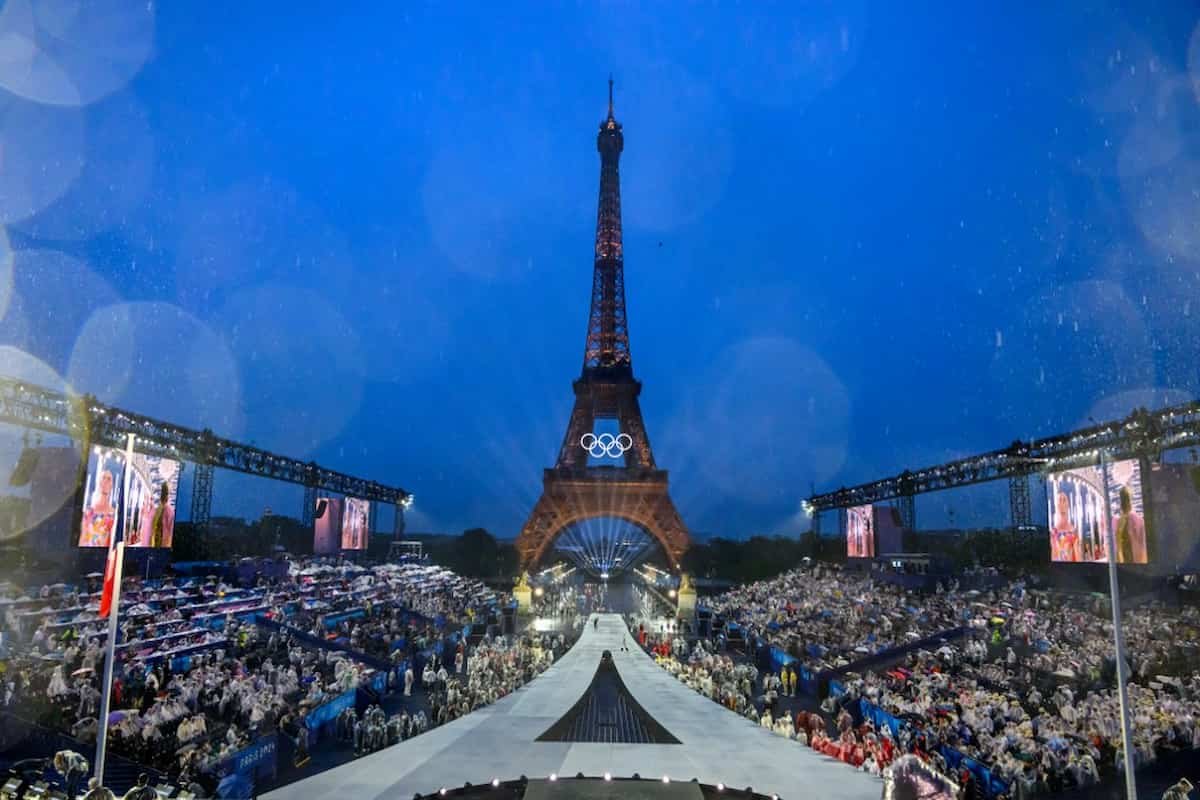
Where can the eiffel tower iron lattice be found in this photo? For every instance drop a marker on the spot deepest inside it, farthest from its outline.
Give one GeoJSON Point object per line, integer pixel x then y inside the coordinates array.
{"type": "Point", "coordinates": [634, 489]}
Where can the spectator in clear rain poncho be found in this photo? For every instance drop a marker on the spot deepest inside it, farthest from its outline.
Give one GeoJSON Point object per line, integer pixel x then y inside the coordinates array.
{"type": "Point", "coordinates": [1180, 791]}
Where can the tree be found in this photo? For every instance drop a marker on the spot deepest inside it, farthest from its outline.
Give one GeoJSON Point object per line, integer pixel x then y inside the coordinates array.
{"type": "Point", "coordinates": [479, 553]}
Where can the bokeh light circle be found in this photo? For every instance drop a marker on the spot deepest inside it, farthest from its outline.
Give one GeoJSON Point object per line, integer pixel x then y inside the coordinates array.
{"type": "Point", "coordinates": [773, 400]}
{"type": "Point", "coordinates": [41, 155]}
{"type": "Point", "coordinates": [679, 152]}
{"type": "Point", "coordinates": [785, 54]}
{"type": "Point", "coordinates": [118, 168]}
{"type": "Point", "coordinates": [51, 482]}
{"type": "Point", "coordinates": [1084, 339]}
{"type": "Point", "coordinates": [6, 273]}
{"type": "Point", "coordinates": [73, 52]}
{"type": "Point", "coordinates": [53, 295]}
{"type": "Point", "coordinates": [1165, 204]}
{"type": "Point", "coordinates": [157, 359]}
{"type": "Point", "coordinates": [1120, 404]}
{"type": "Point", "coordinates": [251, 232]}
{"type": "Point", "coordinates": [301, 365]}
{"type": "Point", "coordinates": [1193, 61]}
{"type": "Point", "coordinates": [475, 219]}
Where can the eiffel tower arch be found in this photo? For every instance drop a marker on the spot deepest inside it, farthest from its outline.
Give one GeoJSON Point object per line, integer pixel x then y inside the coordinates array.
{"type": "Point", "coordinates": [606, 474]}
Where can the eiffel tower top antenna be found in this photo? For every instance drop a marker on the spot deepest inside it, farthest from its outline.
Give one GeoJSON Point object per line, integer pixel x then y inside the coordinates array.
{"type": "Point", "coordinates": [607, 348]}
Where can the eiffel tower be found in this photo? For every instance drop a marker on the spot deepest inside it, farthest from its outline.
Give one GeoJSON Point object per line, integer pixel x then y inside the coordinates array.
{"type": "Point", "coordinates": [631, 488]}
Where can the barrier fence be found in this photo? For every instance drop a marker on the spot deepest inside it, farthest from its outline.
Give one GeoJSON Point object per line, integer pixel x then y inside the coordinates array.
{"type": "Point", "coordinates": [320, 720]}
{"type": "Point", "coordinates": [239, 772]}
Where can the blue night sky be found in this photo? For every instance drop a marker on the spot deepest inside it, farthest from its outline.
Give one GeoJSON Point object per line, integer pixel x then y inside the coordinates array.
{"type": "Point", "coordinates": [858, 238]}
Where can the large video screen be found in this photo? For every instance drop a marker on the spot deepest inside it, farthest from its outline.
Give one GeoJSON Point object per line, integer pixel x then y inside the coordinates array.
{"type": "Point", "coordinates": [102, 496]}
{"type": "Point", "coordinates": [327, 525]}
{"type": "Point", "coordinates": [153, 489]}
{"type": "Point", "coordinates": [354, 523]}
{"type": "Point", "coordinates": [860, 532]}
{"type": "Point", "coordinates": [1174, 533]}
{"type": "Point", "coordinates": [1079, 520]}
{"type": "Point", "coordinates": [148, 513]}
{"type": "Point", "coordinates": [889, 531]}
{"type": "Point", "coordinates": [52, 499]}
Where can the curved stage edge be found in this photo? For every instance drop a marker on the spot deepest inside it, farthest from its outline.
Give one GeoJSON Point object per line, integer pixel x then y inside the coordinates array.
{"type": "Point", "coordinates": [716, 746]}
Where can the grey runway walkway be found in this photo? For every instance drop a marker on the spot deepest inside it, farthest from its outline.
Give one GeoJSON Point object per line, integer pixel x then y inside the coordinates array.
{"type": "Point", "coordinates": [498, 741]}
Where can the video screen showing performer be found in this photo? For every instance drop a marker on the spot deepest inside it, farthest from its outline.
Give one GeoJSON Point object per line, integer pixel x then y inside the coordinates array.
{"type": "Point", "coordinates": [153, 489]}
{"type": "Point", "coordinates": [355, 521]}
{"type": "Point", "coordinates": [860, 532]}
{"type": "Point", "coordinates": [101, 496]}
{"type": "Point", "coordinates": [1079, 522]}
{"type": "Point", "coordinates": [327, 525]}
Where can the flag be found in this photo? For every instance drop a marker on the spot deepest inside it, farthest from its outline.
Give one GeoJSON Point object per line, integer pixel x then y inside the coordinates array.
{"type": "Point", "coordinates": [110, 602]}
{"type": "Point", "coordinates": [115, 549]}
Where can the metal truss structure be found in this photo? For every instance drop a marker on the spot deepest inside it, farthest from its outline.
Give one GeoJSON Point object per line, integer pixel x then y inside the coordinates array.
{"type": "Point", "coordinates": [90, 422]}
{"type": "Point", "coordinates": [1019, 506]}
{"type": "Point", "coordinates": [308, 514]}
{"type": "Point", "coordinates": [202, 492]}
{"type": "Point", "coordinates": [1143, 433]}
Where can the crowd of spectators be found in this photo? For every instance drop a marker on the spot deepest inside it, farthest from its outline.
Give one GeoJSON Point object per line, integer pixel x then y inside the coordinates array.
{"type": "Point", "coordinates": [197, 676]}
{"type": "Point", "coordinates": [1028, 690]}
{"type": "Point", "coordinates": [826, 618]}
{"type": "Point", "coordinates": [497, 667]}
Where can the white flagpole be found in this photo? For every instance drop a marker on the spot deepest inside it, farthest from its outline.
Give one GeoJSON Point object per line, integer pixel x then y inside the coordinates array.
{"type": "Point", "coordinates": [113, 614]}
{"type": "Point", "coordinates": [1114, 588]}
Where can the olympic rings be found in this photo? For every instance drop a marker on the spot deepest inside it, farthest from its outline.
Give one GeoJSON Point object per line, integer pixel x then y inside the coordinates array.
{"type": "Point", "coordinates": [606, 445]}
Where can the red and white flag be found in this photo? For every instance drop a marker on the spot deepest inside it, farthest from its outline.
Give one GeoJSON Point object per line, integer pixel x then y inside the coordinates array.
{"type": "Point", "coordinates": [116, 549]}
